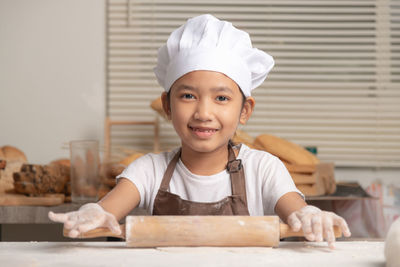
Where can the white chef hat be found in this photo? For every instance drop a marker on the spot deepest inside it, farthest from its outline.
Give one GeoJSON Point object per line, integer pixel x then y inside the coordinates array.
{"type": "Point", "coordinates": [206, 43]}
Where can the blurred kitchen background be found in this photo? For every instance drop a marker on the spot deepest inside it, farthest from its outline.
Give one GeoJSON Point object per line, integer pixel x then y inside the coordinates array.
{"type": "Point", "coordinates": [69, 68]}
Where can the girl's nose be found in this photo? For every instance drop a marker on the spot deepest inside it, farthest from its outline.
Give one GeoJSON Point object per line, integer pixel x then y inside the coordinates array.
{"type": "Point", "coordinates": [203, 112]}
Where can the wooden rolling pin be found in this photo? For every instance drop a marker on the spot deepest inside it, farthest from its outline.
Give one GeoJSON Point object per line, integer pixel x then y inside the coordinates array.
{"type": "Point", "coordinates": [209, 231]}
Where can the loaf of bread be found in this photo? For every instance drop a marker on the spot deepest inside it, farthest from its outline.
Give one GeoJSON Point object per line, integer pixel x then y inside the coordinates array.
{"type": "Point", "coordinates": [128, 160]}
{"type": "Point", "coordinates": [285, 150]}
{"type": "Point", "coordinates": [13, 154]}
{"type": "Point", "coordinates": [109, 172]}
{"type": "Point", "coordinates": [157, 106]}
{"type": "Point", "coordinates": [64, 162]}
{"type": "Point", "coordinates": [241, 137]}
{"type": "Point", "coordinates": [36, 180]}
{"type": "Point", "coordinates": [296, 168]}
{"type": "Point", "coordinates": [13, 158]}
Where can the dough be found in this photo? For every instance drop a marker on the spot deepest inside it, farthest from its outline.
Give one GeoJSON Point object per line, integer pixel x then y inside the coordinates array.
{"type": "Point", "coordinates": [392, 245]}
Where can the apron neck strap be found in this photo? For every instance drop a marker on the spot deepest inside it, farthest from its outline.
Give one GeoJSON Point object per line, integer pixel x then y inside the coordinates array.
{"type": "Point", "coordinates": [170, 170]}
{"type": "Point", "coordinates": [236, 172]}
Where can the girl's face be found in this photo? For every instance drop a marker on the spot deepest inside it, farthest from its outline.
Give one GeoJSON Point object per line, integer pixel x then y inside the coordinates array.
{"type": "Point", "coordinates": [205, 108]}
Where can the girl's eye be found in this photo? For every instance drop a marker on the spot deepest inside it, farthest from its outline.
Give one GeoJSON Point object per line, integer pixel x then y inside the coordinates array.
{"type": "Point", "coordinates": [222, 98]}
{"type": "Point", "coordinates": [187, 96]}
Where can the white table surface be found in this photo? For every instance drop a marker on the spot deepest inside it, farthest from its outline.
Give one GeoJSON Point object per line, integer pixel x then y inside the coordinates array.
{"type": "Point", "coordinates": [59, 254]}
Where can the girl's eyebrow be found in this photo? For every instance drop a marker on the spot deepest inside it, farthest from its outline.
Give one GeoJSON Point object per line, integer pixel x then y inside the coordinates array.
{"type": "Point", "coordinates": [185, 87]}
{"type": "Point", "coordinates": [214, 89]}
{"type": "Point", "coordinates": [222, 89]}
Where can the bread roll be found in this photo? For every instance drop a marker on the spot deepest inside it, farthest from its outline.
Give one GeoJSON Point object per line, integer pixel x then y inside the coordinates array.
{"type": "Point", "coordinates": [287, 151]}
{"type": "Point", "coordinates": [14, 158]}
{"type": "Point", "coordinates": [67, 164]}
{"type": "Point", "coordinates": [12, 153]}
{"type": "Point", "coordinates": [64, 162]}
{"type": "Point", "coordinates": [295, 168]}
{"type": "Point", "coordinates": [157, 106]}
{"type": "Point", "coordinates": [108, 173]}
{"type": "Point", "coordinates": [241, 137]}
{"type": "Point", "coordinates": [38, 180]}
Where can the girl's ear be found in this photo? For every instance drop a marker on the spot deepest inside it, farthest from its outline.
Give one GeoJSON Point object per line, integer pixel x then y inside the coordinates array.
{"type": "Point", "coordinates": [247, 109]}
{"type": "Point", "coordinates": [166, 104]}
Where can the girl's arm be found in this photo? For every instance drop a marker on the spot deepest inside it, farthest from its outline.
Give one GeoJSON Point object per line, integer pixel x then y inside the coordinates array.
{"type": "Point", "coordinates": [123, 198]}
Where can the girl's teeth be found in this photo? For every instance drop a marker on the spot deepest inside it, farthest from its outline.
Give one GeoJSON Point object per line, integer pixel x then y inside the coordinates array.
{"type": "Point", "coordinates": [207, 131]}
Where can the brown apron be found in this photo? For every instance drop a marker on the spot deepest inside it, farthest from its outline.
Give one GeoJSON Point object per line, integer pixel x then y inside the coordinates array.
{"type": "Point", "coordinates": [167, 203]}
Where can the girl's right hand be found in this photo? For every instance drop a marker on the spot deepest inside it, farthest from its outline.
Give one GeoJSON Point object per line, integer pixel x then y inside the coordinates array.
{"type": "Point", "coordinates": [88, 217]}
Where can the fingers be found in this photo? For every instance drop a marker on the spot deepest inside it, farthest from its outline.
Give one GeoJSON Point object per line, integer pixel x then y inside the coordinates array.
{"type": "Point", "coordinates": [329, 219]}
{"type": "Point", "coordinates": [69, 219]}
{"type": "Point", "coordinates": [317, 227]}
{"type": "Point", "coordinates": [73, 233]}
{"type": "Point", "coordinates": [88, 217]}
{"type": "Point", "coordinates": [80, 226]}
{"type": "Point", "coordinates": [83, 226]}
{"type": "Point", "coordinates": [58, 217]}
{"type": "Point", "coordinates": [307, 227]}
{"type": "Point", "coordinates": [73, 219]}
{"type": "Point", "coordinates": [328, 230]}
{"type": "Point", "coordinates": [339, 221]}
{"type": "Point", "coordinates": [112, 224]}
{"type": "Point", "coordinates": [87, 226]}
{"type": "Point", "coordinates": [294, 222]}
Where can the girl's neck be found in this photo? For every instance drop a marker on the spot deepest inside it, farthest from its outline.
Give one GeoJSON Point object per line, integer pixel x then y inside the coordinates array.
{"type": "Point", "coordinates": [205, 163]}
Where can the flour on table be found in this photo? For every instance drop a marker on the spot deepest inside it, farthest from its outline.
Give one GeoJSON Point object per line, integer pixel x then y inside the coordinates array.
{"type": "Point", "coordinates": [217, 250]}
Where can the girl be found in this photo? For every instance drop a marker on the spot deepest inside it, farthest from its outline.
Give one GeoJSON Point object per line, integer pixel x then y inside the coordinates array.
{"type": "Point", "coordinates": [208, 69]}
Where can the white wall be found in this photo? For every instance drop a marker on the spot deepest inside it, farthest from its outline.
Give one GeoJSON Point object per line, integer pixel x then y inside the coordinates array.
{"type": "Point", "coordinates": [52, 77]}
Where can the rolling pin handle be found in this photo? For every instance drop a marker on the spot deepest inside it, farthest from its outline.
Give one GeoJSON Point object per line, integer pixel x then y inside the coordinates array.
{"type": "Point", "coordinates": [98, 232]}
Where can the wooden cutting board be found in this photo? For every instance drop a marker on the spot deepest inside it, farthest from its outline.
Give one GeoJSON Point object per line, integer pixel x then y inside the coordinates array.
{"type": "Point", "coordinates": [7, 199]}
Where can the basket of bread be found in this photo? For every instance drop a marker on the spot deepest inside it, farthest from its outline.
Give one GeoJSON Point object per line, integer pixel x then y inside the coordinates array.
{"type": "Point", "coordinates": [312, 177]}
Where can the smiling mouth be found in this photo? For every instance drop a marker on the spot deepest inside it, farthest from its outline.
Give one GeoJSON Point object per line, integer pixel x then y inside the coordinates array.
{"type": "Point", "coordinates": [200, 129]}
{"type": "Point", "coordinates": [203, 132]}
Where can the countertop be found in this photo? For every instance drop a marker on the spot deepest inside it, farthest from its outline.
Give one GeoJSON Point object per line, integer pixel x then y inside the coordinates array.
{"type": "Point", "coordinates": [353, 253]}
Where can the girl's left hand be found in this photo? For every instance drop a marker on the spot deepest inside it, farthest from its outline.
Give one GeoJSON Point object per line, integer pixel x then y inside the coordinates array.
{"type": "Point", "coordinates": [317, 224]}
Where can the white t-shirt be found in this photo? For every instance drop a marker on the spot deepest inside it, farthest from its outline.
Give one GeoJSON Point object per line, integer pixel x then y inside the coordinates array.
{"type": "Point", "coordinates": [267, 179]}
